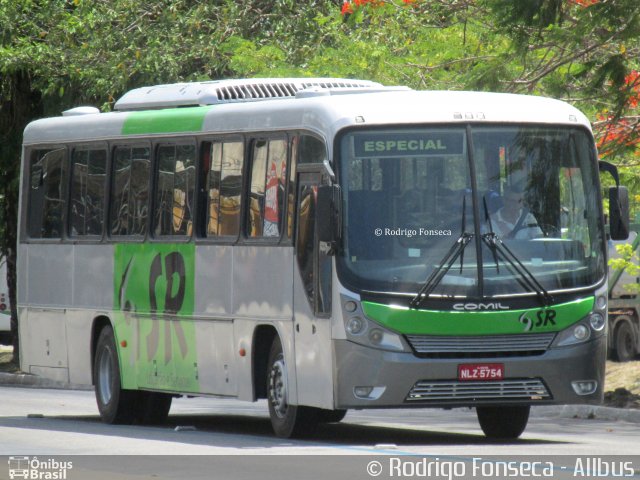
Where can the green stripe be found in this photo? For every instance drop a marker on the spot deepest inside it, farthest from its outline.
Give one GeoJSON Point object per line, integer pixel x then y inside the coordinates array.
{"type": "Point", "coordinates": [174, 120]}
{"type": "Point", "coordinates": [432, 322]}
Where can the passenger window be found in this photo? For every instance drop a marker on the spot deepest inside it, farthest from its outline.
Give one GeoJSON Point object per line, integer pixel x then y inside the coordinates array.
{"type": "Point", "coordinates": [46, 196]}
{"type": "Point", "coordinates": [312, 150]}
{"type": "Point", "coordinates": [291, 195]}
{"type": "Point", "coordinates": [267, 190]}
{"type": "Point", "coordinates": [222, 166]}
{"type": "Point", "coordinates": [130, 191]}
{"type": "Point", "coordinates": [175, 189]}
{"type": "Point", "coordinates": [88, 188]}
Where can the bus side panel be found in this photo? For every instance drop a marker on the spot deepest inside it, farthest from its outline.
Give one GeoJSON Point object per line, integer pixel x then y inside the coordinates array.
{"type": "Point", "coordinates": [216, 347]}
{"type": "Point", "coordinates": [263, 293]}
{"type": "Point", "coordinates": [153, 302]}
{"type": "Point", "coordinates": [314, 361]}
{"type": "Point", "coordinates": [48, 279]}
{"type": "Point", "coordinates": [92, 297]}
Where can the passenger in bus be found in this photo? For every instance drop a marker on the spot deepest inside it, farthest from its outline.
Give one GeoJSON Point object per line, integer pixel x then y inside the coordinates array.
{"type": "Point", "coordinates": [514, 220]}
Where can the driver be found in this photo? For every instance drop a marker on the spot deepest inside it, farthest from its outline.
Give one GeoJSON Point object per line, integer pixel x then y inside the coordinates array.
{"type": "Point", "coordinates": [514, 220]}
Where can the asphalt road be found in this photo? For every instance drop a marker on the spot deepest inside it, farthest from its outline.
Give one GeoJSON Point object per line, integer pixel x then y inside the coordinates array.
{"type": "Point", "coordinates": [63, 422]}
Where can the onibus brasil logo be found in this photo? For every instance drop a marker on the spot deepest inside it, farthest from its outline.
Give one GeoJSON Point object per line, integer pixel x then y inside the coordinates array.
{"type": "Point", "coordinates": [33, 468]}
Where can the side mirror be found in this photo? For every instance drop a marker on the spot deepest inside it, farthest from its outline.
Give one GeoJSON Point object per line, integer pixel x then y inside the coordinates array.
{"type": "Point", "coordinates": [329, 212]}
{"type": "Point", "coordinates": [619, 213]}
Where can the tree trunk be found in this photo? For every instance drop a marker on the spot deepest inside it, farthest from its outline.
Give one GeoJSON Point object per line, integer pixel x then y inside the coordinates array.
{"type": "Point", "coordinates": [19, 105]}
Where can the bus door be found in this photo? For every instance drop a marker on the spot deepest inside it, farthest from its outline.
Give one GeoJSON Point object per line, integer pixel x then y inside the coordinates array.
{"type": "Point", "coordinates": [312, 302]}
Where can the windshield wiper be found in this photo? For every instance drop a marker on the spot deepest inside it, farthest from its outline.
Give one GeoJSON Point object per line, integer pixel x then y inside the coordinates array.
{"type": "Point", "coordinates": [456, 250]}
{"type": "Point", "coordinates": [527, 280]}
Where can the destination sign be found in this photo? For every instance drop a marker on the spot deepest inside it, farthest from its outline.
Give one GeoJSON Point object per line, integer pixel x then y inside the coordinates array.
{"type": "Point", "coordinates": [408, 144]}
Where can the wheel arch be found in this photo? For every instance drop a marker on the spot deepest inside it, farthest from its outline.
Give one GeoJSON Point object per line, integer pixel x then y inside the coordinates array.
{"type": "Point", "coordinates": [263, 337]}
{"type": "Point", "coordinates": [99, 322]}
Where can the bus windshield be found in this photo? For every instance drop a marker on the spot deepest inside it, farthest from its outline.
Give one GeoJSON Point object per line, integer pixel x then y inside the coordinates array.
{"type": "Point", "coordinates": [409, 200]}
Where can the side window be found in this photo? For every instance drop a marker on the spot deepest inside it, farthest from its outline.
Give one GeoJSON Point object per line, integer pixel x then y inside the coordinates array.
{"type": "Point", "coordinates": [175, 189]}
{"type": "Point", "coordinates": [130, 191]}
{"type": "Point", "coordinates": [46, 193]}
{"type": "Point", "coordinates": [306, 238]}
{"type": "Point", "coordinates": [222, 168]}
{"type": "Point", "coordinates": [291, 195]}
{"type": "Point", "coordinates": [311, 150]}
{"type": "Point", "coordinates": [88, 189]}
{"type": "Point", "coordinates": [267, 189]}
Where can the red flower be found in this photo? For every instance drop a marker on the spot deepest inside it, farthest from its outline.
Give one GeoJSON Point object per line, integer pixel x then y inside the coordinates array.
{"type": "Point", "coordinates": [347, 8]}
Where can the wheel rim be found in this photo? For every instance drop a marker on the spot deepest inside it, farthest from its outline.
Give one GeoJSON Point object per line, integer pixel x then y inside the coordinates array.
{"type": "Point", "coordinates": [278, 387]}
{"type": "Point", "coordinates": [105, 376]}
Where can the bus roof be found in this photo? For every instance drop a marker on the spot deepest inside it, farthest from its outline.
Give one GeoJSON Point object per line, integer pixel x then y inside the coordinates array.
{"type": "Point", "coordinates": [324, 110]}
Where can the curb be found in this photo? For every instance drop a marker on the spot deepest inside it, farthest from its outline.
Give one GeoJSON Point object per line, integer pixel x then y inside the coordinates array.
{"type": "Point", "coordinates": [27, 380]}
{"type": "Point", "coordinates": [590, 412]}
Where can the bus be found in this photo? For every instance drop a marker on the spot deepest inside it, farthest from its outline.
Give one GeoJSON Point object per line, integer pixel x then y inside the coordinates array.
{"type": "Point", "coordinates": [324, 244]}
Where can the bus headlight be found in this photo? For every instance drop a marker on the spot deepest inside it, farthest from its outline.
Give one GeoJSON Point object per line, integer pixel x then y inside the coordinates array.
{"type": "Point", "coordinates": [597, 321]}
{"type": "Point", "coordinates": [581, 333]}
{"type": "Point", "coordinates": [355, 326]}
{"type": "Point", "coordinates": [575, 334]}
{"type": "Point", "coordinates": [361, 330]}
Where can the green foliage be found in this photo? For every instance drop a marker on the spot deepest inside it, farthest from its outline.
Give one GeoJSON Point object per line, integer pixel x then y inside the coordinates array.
{"type": "Point", "coordinates": [628, 262]}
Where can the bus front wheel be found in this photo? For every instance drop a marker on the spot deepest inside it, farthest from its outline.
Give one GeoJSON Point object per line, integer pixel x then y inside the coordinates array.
{"type": "Point", "coordinates": [287, 420]}
{"type": "Point", "coordinates": [115, 404]}
{"type": "Point", "coordinates": [506, 422]}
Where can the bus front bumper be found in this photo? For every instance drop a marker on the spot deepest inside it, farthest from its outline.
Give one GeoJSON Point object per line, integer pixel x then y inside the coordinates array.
{"type": "Point", "coordinates": [370, 378]}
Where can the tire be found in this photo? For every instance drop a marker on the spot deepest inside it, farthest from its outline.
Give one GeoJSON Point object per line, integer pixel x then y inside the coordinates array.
{"type": "Point", "coordinates": [505, 423]}
{"type": "Point", "coordinates": [116, 405]}
{"type": "Point", "coordinates": [624, 343]}
{"type": "Point", "coordinates": [330, 416]}
{"type": "Point", "coordinates": [288, 421]}
{"type": "Point", "coordinates": [153, 408]}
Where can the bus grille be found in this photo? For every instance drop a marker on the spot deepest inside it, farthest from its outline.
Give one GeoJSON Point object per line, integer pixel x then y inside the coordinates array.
{"type": "Point", "coordinates": [481, 346]}
{"type": "Point", "coordinates": [447, 390]}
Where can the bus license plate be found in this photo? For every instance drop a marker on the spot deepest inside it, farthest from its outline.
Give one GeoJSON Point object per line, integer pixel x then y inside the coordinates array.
{"type": "Point", "coordinates": [481, 371]}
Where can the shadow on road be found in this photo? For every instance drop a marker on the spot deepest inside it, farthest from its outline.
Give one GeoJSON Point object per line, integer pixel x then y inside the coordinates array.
{"type": "Point", "coordinates": [242, 431]}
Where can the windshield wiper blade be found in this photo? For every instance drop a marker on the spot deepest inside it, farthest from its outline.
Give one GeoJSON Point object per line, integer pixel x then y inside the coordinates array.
{"type": "Point", "coordinates": [441, 270]}
{"type": "Point", "coordinates": [497, 246]}
{"type": "Point", "coordinates": [456, 250]}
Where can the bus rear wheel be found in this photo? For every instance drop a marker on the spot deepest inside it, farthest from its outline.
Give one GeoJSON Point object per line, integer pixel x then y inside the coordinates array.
{"type": "Point", "coordinates": [505, 423]}
{"type": "Point", "coordinates": [287, 420]}
{"type": "Point", "coordinates": [116, 405]}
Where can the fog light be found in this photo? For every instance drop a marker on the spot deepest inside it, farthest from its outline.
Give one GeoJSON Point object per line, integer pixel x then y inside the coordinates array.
{"type": "Point", "coordinates": [601, 302]}
{"type": "Point", "coordinates": [362, 392]}
{"type": "Point", "coordinates": [584, 387]}
{"type": "Point", "coordinates": [375, 336]}
{"type": "Point", "coordinates": [355, 325]}
{"type": "Point", "coordinates": [581, 332]}
{"type": "Point", "coordinates": [597, 321]}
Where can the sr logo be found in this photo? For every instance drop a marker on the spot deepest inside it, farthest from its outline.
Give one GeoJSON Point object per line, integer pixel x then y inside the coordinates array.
{"type": "Point", "coordinates": [543, 319]}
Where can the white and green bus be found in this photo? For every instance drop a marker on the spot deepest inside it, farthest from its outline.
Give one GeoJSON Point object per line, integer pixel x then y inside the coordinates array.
{"type": "Point", "coordinates": [325, 244]}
